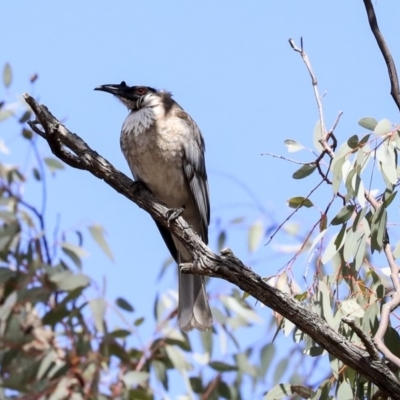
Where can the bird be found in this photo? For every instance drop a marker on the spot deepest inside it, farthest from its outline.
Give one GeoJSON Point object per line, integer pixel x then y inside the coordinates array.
{"type": "Point", "coordinates": [164, 149]}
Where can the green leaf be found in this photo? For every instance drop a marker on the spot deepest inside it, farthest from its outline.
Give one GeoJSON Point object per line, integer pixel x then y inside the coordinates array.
{"type": "Point", "coordinates": [256, 233]}
{"type": "Point", "coordinates": [134, 378]}
{"type": "Point", "coordinates": [27, 133]}
{"type": "Point", "coordinates": [36, 174]}
{"type": "Point", "coordinates": [67, 281]}
{"type": "Point", "coordinates": [53, 164]}
{"type": "Point", "coordinates": [280, 369]}
{"type": "Point", "coordinates": [138, 321]}
{"type": "Point", "coordinates": [352, 142]}
{"type": "Point", "coordinates": [120, 333]}
{"type": "Point", "coordinates": [352, 308]}
{"type": "Point", "coordinates": [222, 367]}
{"type": "Point", "coordinates": [337, 171]}
{"type": "Point", "coordinates": [97, 233]}
{"type": "Point", "coordinates": [384, 126]}
{"type": "Point", "coordinates": [7, 75]}
{"type": "Point", "coordinates": [344, 391]}
{"type": "Point", "coordinates": [207, 341]}
{"type": "Point", "coordinates": [75, 253]}
{"type": "Point", "coordinates": [122, 303]}
{"type": "Point", "coordinates": [388, 198]}
{"type": "Point", "coordinates": [396, 252]}
{"type": "Point", "coordinates": [266, 356]}
{"type": "Point", "coordinates": [25, 116]}
{"type": "Point", "coordinates": [281, 391]}
{"type": "Point", "coordinates": [7, 234]}
{"type": "Point", "coordinates": [297, 202]}
{"type": "Point", "coordinates": [4, 114]}
{"type": "Point", "coordinates": [304, 171]}
{"type": "Point", "coordinates": [368, 123]}
{"type": "Point", "coordinates": [293, 146]}
{"type": "Point", "coordinates": [240, 308]}
{"type": "Point", "coordinates": [98, 307]}
{"type": "Point", "coordinates": [343, 215]}
{"type": "Point", "coordinates": [176, 357]}
{"type": "Point", "coordinates": [161, 372]}
{"type": "Point", "coordinates": [378, 228]}
{"type": "Point", "coordinates": [46, 363]}
{"type": "Point", "coordinates": [365, 139]}
{"type": "Point", "coordinates": [333, 246]}
{"type": "Point", "coordinates": [318, 135]}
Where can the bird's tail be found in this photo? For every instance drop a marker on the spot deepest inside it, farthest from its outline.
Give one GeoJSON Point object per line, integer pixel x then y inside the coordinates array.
{"type": "Point", "coordinates": [193, 308]}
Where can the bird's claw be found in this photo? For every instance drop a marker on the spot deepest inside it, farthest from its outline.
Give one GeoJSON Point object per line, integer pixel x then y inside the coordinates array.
{"type": "Point", "coordinates": [173, 214]}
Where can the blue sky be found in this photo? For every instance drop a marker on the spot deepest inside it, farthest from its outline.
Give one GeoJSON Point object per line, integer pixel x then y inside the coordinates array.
{"type": "Point", "coordinates": [230, 66]}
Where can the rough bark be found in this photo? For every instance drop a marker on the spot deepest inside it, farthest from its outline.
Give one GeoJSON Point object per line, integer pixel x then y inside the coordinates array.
{"type": "Point", "coordinates": [74, 151]}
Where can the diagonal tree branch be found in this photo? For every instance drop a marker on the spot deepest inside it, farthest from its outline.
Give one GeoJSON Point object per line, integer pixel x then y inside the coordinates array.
{"type": "Point", "coordinates": [394, 80]}
{"type": "Point", "coordinates": [74, 151]}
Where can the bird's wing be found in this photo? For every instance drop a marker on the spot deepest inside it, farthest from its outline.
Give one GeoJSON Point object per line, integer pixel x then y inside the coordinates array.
{"type": "Point", "coordinates": [194, 169]}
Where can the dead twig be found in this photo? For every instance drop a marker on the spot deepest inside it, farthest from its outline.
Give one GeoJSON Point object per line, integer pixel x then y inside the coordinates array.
{"type": "Point", "coordinates": [391, 66]}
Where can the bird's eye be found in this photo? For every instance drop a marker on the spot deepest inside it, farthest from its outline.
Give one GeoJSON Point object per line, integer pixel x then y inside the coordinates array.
{"type": "Point", "coordinates": [141, 91]}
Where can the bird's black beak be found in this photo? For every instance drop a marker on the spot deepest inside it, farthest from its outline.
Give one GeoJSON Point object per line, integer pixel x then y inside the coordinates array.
{"type": "Point", "coordinates": [118, 90]}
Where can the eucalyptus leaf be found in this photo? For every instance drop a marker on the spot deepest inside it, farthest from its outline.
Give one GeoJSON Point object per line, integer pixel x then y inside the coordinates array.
{"type": "Point", "coordinates": [7, 75]}
{"type": "Point", "coordinates": [122, 303]}
{"type": "Point", "coordinates": [299, 201]}
{"type": "Point", "coordinates": [293, 146]}
{"type": "Point", "coordinates": [256, 233]}
{"type": "Point", "coordinates": [383, 127]}
{"type": "Point", "coordinates": [368, 123]}
{"type": "Point", "coordinates": [304, 171]}
{"type": "Point", "coordinates": [97, 232]}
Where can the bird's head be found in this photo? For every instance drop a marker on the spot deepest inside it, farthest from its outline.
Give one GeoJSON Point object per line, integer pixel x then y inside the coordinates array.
{"type": "Point", "coordinates": [134, 97]}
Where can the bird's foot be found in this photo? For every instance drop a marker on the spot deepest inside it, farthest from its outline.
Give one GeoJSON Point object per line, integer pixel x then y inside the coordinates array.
{"type": "Point", "coordinates": [173, 214]}
{"type": "Point", "coordinates": [138, 185]}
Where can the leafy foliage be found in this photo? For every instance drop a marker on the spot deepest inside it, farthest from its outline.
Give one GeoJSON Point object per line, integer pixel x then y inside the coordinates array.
{"type": "Point", "coordinates": [56, 341]}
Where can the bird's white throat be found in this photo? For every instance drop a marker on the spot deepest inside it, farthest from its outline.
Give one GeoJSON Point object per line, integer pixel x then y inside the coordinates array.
{"type": "Point", "coordinates": [138, 121]}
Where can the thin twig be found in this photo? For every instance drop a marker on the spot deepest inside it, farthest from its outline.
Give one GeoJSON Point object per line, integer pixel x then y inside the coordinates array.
{"type": "Point", "coordinates": [225, 265]}
{"type": "Point", "coordinates": [394, 80]}
{"type": "Point", "coordinates": [367, 341]}
{"type": "Point", "coordinates": [394, 302]}
{"type": "Point", "coordinates": [286, 159]}
{"type": "Point", "coordinates": [292, 213]}
{"type": "Point", "coordinates": [314, 82]}
{"type": "Point", "coordinates": [336, 122]}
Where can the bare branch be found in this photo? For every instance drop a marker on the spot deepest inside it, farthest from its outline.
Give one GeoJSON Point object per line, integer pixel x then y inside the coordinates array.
{"type": "Point", "coordinates": [368, 343]}
{"type": "Point", "coordinates": [394, 302]}
{"type": "Point", "coordinates": [391, 66]}
{"type": "Point", "coordinates": [225, 266]}
{"type": "Point", "coordinates": [314, 82]}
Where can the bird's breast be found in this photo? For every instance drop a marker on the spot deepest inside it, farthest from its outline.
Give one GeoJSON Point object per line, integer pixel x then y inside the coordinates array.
{"type": "Point", "coordinates": [154, 155]}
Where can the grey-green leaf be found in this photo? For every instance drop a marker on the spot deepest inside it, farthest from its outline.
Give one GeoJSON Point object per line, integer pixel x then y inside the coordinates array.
{"type": "Point", "coordinates": [134, 378]}
{"type": "Point", "coordinates": [122, 303]}
{"type": "Point", "coordinates": [222, 367]}
{"type": "Point", "coordinates": [256, 233]}
{"type": "Point", "coordinates": [97, 233]}
{"type": "Point", "coordinates": [53, 164]}
{"type": "Point", "coordinates": [299, 201]}
{"type": "Point", "coordinates": [293, 146]}
{"type": "Point", "coordinates": [7, 75]}
{"type": "Point", "coordinates": [368, 123]}
{"type": "Point", "coordinates": [98, 307]}
{"type": "Point", "coordinates": [343, 215]}
{"type": "Point", "coordinates": [67, 281]}
{"type": "Point", "coordinates": [353, 142]}
{"type": "Point", "coordinates": [304, 171]}
{"type": "Point", "coordinates": [383, 127]}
